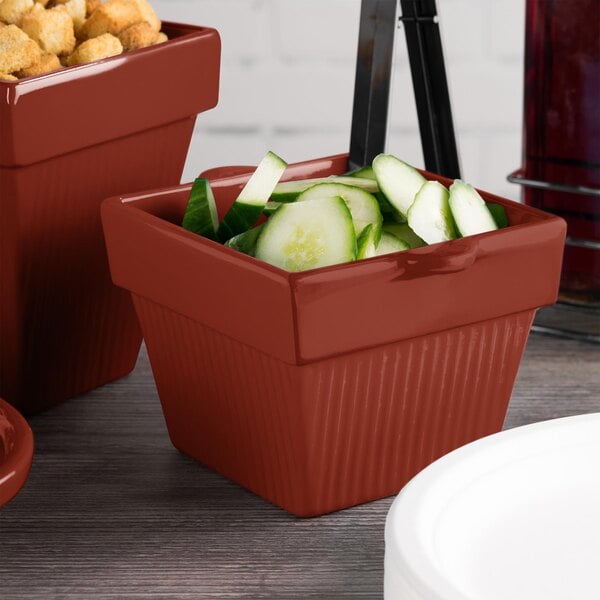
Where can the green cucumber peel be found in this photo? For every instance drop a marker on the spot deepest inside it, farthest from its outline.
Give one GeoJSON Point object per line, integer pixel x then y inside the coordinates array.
{"type": "Point", "coordinates": [201, 212]}
{"type": "Point", "coordinates": [403, 232]}
{"type": "Point", "coordinates": [389, 243]}
{"type": "Point", "coordinates": [365, 243]}
{"type": "Point", "coordinates": [271, 207]}
{"type": "Point", "coordinates": [245, 242]}
{"type": "Point", "coordinates": [363, 173]}
{"type": "Point", "coordinates": [498, 214]}
{"type": "Point", "coordinates": [249, 205]}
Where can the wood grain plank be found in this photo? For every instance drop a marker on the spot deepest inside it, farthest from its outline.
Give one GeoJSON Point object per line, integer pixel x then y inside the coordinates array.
{"type": "Point", "coordinates": [112, 510]}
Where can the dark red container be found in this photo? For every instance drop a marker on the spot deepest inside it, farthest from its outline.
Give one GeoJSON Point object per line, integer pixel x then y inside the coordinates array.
{"type": "Point", "coordinates": [68, 140]}
{"type": "Point", "coordinates": [16, 452]}
{"type": "Point", "coordinates": [561, 135]}
{"type": "Point", "coordinates": [325, 389]}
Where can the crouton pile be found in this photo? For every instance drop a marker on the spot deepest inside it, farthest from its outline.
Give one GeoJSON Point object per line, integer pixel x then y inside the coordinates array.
{"type": "Point", "coordinates": [40, 36]}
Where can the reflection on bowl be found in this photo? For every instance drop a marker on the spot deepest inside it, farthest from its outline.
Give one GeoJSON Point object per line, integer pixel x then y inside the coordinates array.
{"type": "Point", "coordinates": [16, 452]}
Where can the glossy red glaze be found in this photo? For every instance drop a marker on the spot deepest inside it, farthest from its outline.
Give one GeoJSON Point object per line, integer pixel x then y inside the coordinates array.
{"type": "Point", "coordinates": [16, 452]}
{"type": "Point", "coordinates": [68, 140]}
{"type": "Point", "coordinates": [332, 387]}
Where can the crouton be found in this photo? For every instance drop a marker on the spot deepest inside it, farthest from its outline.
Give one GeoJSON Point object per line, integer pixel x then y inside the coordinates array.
{"type": "Point", "coordinates": [137, 36]}
{"type": "Point", "coordinates": [12, 11]}
{"type": "Point", "coordinates": [17, 50]}
{"type": "Point", "coordinates": [161, 38]}
{"type": "Point", "coordinates": [112, 17]}
{"type": "Point", "coordinates": [77, 11]}
{"type": "Point", "coordinates": [91, 6]}
{"type": "Point", "coordinates": [51, 29]}
{"type": "Point", "coordinates": [7, 77]}
{"type": "Point", "coordinates": [97, 48]}
{"type": "Point", "coordinates": [46, 64]}
{"type": "Point", "coordinates": [149, 15]}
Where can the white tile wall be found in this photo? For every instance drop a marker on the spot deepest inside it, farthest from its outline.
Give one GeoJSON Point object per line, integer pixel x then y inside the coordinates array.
{"type": "Point", "coordinates": [288, 77]}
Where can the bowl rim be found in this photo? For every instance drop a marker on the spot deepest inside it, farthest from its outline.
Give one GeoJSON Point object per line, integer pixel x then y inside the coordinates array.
{"type": "Point", "coordinates": [15, 469]}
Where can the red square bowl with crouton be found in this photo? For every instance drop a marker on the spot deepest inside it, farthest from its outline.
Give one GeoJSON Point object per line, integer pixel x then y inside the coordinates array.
{"type": "Point", "coordinates": [68, 139]}
{"type": "Point", "coordinates": [331, 387]}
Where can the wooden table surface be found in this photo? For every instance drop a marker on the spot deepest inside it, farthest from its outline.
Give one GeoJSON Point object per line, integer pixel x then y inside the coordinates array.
{"type": "Point", "coordinates": [112, 510]}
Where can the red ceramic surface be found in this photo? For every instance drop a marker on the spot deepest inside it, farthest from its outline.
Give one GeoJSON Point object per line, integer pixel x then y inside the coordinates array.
{"type": "Point", "coordinates": [68, 140]}
{"type": "Point", "coordinates": [332, 387]}
{"type": "Point", "coordinates": [16, 452]}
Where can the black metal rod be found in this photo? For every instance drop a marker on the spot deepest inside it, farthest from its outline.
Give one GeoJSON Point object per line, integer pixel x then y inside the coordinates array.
{"type": "Point", "coordinates": [373, 77]}
{"type": "Point", "coordinates": [426, 57]}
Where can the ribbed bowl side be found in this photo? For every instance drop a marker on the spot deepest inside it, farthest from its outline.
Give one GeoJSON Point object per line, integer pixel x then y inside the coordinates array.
{"type": "Point", "coordinates": [232, 408]}
{"type": "Point", "coordinates": [380, 416]}
{"type": "Point", "coordinates": [72, 329]}
{"type": "Point", "coordinates": [342, 431]}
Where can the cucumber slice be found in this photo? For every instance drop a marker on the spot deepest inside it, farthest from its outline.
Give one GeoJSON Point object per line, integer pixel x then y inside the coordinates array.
{"type": "Point", "coordinates": [271, 207]}
{"type": "Point", "coordinates": [252, 199]}
{"type": "Point", "coordinates": [201, 212]}
{"type": "Point", "coordinates": [430, 216]}
{"type": "Point", "coordinates": [498, 213]}
{"type": "Point", "coordinates": [290, 190]}
{"type": "Point", "coordinates": [245, 242]}
{"type": "Point", "coordinates": [364, 173]}
{"type": "Point", "coordinates": [398, 181]}
{"type": "Point", "coordinates": [308, 235]}
{"type": "Point", "coordinates": [363, 206]}
{"type": "Point", "coordinates": [469, 210]}
{"type": "Point", "coordinates": [366, 243]}
{"type": "Point", "coordinates": [384, 205]}
{"type": "Point", "coordinates": [390, 243]}
{"type": "Point", "coordinates": [404, 233]}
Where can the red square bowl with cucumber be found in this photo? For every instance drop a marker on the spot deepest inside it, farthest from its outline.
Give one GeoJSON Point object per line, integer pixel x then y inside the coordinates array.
{"type": "Point", "coordinates": [319, 342]}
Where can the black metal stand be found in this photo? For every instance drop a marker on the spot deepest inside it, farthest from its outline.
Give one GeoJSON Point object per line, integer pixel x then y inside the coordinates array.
{"type": "Point", "coordinates": [373, 76]}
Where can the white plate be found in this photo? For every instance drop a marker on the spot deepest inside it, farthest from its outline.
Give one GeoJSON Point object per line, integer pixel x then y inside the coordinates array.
{"type": "Point", "coordinates": [514, 516]}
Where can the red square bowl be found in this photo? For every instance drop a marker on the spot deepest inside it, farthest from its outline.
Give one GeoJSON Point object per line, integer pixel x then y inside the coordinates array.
{"type": "Point", "coordinates": [332, 387]}
{"type": "Point", "coordinates": [68, 140]}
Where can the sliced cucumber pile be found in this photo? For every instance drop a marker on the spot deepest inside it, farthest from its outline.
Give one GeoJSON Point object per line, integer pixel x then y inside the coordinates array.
{"type": "Point", "coordinates": [380, 209]}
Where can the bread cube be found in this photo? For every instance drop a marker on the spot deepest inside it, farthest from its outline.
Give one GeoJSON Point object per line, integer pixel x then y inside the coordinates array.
{"type": "Point", "coordinates": [103, 46]}
{"type": "Point", "coordinates": [161, 38]}
{"type": "Point", "coordinates": [12, 11]}
{"type": "Point", "coordinates": [17, 50]}
{"type": "Point", "coordinates": [137, 36]}
{"type": "Point", "coordinates": [51, 29]}
{"type": "Point", "coordinates": [91, 6]}
{"type": "Point", "coordinates": [7, 77]}
{"type": "Point", "coordinates": [149, 15]}
{"type": "Point", "coordinates": [46, 64]}
{"type": "Point", "coordinates": [112, 17]}
{"type": "Point", "coordinates": [77, 11]}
